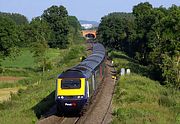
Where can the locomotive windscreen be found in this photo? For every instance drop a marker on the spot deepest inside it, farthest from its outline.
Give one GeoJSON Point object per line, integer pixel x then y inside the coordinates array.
{"type": "Point", "coordinates": [71, 84]}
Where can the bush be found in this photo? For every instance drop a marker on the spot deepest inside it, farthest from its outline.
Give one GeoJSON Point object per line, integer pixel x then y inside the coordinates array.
{"type": "Point", "coordinates": [73, 53]}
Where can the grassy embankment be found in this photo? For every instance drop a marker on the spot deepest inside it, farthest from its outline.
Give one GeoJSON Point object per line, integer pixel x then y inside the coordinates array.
{"type": "Point", "coordinates": [29, 104]}
{"type": "Point", "coordinates": [139, 99]}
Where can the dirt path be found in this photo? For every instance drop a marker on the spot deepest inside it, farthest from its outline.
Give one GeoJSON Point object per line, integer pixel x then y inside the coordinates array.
{"type": "Point", "coordinates": [10, 78]}
{"type": "Point", "coordinates": [100, 112]}
{"type": "Point", "coordinates": [5, 93]}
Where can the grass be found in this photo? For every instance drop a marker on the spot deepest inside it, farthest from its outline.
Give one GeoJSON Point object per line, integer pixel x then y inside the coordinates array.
{"type": "Point", "coordinates": [21, 105]}
{"type": "Point", "coordinates": [29, 104]}
{"type": "Point", "coordinates": [25, 59]}
{"type": "Point", "coordinates": [52, 53]}
{"type": "Point", "coordinates": [140, 100]}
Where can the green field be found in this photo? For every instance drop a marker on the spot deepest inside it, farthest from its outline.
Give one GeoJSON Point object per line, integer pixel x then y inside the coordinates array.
{"type": "Point", "coordinates": [140, 100]}
{"type": "Point", "coordinates": [25, 59]}
{"type": "Point", "coordinates": [24, 66]}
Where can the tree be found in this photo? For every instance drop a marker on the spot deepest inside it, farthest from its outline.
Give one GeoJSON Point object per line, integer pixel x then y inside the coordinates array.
{"type": "Point", "coordinates": [74, 29]}
{"type": "Point", "coordinates": [144, 21]}
{"type": "Point", "coordinates": [115, 31]}
{"type": "Point", "coordinates": [40, 35]}
{"type": "Point", "coordinates": [17, 18]}
{"type": "Point", "coordinates": [37, 30]}
{"type": "Point", "coordinates": [171, 70]}
{"type": "Point", "coordinates": [8, 36]}
{"type": "Point", "coordinates": [57, 18]}
{"type": "Point", "coordinates": [152, 38]}
{"type": "Point", "coordinates": [73, 22]}
{"type": "Point", "coordinates": [39, 53]}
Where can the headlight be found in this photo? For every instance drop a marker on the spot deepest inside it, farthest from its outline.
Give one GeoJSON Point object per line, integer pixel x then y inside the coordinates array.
{"type": "Point", "coordinates": [60, 97]}
{"type": "Point", "coordinates": [80, 97]}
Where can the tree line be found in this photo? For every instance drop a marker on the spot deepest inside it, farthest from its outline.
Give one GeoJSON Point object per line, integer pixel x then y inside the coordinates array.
{"type": "Point", "coordinates": [149, 35]}
{"type": "Point", "coordinates": [54, 28]}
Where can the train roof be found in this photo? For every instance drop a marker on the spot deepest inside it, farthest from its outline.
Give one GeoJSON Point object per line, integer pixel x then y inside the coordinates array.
{"type": "Point", "coordinates": [87, 66]}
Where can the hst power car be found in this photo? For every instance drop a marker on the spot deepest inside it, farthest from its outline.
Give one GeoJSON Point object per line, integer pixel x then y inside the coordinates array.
{"type": "Point", "coordinates": [76, 86]}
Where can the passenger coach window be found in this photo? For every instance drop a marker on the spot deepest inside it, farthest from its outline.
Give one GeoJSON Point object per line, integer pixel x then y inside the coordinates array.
{"type": "Point", "coordinates": [71, 84]}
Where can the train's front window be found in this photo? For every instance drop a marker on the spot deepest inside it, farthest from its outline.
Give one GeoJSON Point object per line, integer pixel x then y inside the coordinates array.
{"type": "Point", "coordinates": [71, 84]}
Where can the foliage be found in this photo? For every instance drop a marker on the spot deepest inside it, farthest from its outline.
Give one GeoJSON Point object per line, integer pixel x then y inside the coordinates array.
{"type": "Point", "coordinates": [54, 27]}
{"type": "Point", "coordinates": [39, 49]}
{"type": "Point", "coordinates": [73, 53]}
{"type": "Point", "coordinates": [73, 21]}
{"type": "Point", "coordinates": [16, 17]}
{"type": "Point", "coordinates": [74, 29]}
{"type": "Point", "coordinates": [8, 36]}
{"type": "Point", "coordinates": [57, 18]}
{"type": "Point", "coordinates": [40, 34]}
{"type": "Point", "coordinates": [115, 30]}
{"type": "Point", "coordinates": [150, 35]}
{"type": "Point", "coordinates": [37, 31]}
{"type": "Point", "coordinates": [159, 30]}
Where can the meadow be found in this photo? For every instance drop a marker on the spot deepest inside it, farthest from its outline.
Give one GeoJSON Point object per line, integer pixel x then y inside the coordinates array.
{"type": "Point", "coordinates": [21, 70]}
{"type": "Point", "coordinates": [25, 59]}
{"type": "Point", "coordinates": [139, 99]}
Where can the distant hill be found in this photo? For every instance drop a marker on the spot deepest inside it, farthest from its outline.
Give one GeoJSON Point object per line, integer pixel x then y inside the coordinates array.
{"type": "Point", "coordinates": [94, 23]}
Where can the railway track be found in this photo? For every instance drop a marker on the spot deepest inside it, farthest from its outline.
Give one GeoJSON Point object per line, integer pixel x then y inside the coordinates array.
{"type": "Point", "coordinates": [100, 111]}
{"type": "Point", "coordinates": [72, 120]}
{"type": "Point", "coordinates": [54, 119]}
{"type": "Point", "coordinates": [109, 109]}
{"type": "Point", "coordinates": [105, 118]}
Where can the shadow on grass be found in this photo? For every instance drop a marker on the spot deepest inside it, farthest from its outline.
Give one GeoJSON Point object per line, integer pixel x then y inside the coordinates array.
{"type": "Point", "coordinates": [131, 64]}
{"type": "Point", "coordinates": [122, 56]}
{"type": "Point", "coordinates": [47, 107]}
{"type": "Point", "coordinates": [23, 72]}
{"type": "Point", "coordinates": [138, 69]}
{"type": "Point", "coordinates": [31, 69]}
{"type": "Point", "coordinates": [44, 105]}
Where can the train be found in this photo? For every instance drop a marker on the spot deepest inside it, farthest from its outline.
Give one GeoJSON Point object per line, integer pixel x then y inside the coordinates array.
{"type": "Point", "coordinates": [76, 86]}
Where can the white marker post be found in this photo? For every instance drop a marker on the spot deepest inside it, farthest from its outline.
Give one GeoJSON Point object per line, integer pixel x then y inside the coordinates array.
{"type": "Point", "coordinates": [128, 71]}
{"type": "Point", "coordinates": [122, 71]}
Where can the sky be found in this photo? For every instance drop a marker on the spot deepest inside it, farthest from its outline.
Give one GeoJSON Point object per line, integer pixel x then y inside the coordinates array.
{"type": "Point", "coordinates": [91, 10]}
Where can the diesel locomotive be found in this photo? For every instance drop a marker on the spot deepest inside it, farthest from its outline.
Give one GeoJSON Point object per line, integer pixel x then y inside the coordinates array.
{"type": "Point", "coordinates": [76, 86]}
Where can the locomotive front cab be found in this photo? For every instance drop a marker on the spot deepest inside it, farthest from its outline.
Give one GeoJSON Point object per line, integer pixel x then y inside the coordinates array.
{"type": "Point", "coordinates": [70, 93]}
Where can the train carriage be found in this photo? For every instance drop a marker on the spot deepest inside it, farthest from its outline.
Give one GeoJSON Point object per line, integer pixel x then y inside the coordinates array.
{"type": "Point", "coordinates": [76, 86]}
